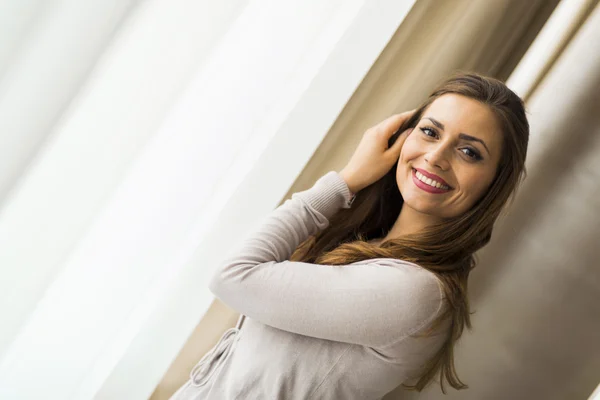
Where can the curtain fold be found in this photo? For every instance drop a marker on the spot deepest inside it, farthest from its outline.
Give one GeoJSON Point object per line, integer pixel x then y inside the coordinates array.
{"type": "Point", "coordinates": [433, 40]}
{"type": "Point", "coordinates": [538, 282]}
{"type": "Point", "coordinates": [138, 140]}
{"type": "Point", "coordinates": [535, 290]}
{"type": "Point", "coordinates": [139, 144]}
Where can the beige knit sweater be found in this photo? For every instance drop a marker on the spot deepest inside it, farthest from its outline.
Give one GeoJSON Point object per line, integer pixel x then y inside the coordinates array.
{"type": "Point", "coordinates": [315, 331]}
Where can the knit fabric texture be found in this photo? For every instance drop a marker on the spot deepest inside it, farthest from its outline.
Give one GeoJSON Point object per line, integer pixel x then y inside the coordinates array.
{"type": "Point", "coordinates": [316, 331]}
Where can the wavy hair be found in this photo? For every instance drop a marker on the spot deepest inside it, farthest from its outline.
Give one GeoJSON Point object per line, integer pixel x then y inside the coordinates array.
{"type": "Point", "coordinates": [447, 248]}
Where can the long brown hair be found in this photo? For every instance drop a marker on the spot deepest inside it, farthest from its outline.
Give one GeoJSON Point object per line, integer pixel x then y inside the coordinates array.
{"type": "Point", "coordinates": [446, 249]}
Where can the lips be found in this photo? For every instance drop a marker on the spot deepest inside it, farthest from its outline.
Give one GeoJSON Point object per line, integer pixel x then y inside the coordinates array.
{"type": "Point", "coordinates": [424, 186]}
{"type": "Point", "coordinates": [433, 176]}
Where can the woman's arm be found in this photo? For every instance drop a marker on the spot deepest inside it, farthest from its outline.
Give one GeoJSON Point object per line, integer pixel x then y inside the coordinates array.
{"type": "Point", "coordinates": [373, 303]}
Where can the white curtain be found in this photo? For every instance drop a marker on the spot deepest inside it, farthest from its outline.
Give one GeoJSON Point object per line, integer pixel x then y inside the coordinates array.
{"type": "Point", "coordinates": [140, 140]}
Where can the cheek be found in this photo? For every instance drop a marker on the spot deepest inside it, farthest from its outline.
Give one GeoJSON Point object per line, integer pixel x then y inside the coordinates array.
{"type": "Point", "coordinates": [475, 184]}
{"type": "Point", "coordinates": [408, 153]}
{"type": "Point", "coordinates": [409, 149]}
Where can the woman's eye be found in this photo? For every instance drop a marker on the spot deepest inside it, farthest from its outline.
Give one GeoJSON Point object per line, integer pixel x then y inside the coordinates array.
{"type": "Point", "coordinates": [474, 155]}
{"type": "Point", "coordinates": [428, 130]}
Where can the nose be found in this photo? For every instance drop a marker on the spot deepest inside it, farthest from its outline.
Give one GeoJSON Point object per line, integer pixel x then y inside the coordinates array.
{"type": "Point", "coordinates": [436, 157]}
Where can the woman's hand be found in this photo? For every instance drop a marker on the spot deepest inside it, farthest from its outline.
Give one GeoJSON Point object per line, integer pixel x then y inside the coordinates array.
{"type": "Point", "coordinates": [372, 159]}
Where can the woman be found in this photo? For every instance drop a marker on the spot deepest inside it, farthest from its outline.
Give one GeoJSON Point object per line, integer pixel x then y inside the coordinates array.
{"type": "Point", "coordinates": [359, 284]}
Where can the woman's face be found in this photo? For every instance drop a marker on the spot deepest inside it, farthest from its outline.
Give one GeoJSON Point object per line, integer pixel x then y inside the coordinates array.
{"type": "Point", "coordinates": [459, 140]}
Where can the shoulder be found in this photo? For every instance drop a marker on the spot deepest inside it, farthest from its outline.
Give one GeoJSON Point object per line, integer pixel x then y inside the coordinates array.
{"type": "Point", "coordinates": [418, 289]}
{"type": "Point", "coordinates": [413, 273]}
{"type": "Point", "coordinates": [411, 282]}
{"type": "Point", "coordinates": [400, 298]}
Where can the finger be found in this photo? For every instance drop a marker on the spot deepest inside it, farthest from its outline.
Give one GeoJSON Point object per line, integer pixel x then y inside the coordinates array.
{"type": "Point", "coordinates": [391, 124]}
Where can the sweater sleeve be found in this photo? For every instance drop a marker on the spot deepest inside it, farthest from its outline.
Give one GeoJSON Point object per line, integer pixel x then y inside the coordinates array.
{"type": "Point", "coordinates": [374, 303]}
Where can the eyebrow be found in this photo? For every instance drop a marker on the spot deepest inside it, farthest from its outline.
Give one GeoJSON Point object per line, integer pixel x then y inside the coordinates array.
{"type": "Point", "coordinates": [461, 135]}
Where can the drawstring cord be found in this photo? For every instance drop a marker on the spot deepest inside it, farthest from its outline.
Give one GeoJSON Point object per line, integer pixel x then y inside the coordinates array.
{"type": "Point", "coordinates": [206, 367]}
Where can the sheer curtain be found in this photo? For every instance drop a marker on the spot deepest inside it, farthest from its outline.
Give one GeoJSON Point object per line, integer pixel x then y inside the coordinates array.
{"type": "Point", "coordinates": [140, 141]}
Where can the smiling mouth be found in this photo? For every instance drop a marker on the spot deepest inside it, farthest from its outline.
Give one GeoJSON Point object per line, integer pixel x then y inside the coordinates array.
{"type": "Point", "coordinates": [423, 184]}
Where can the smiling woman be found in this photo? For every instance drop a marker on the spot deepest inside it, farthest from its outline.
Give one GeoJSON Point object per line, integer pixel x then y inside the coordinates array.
{"type": "Point", "coordinates": [461, 163]}
{"type": "Point", "coordinates": [332, 315]}
{"type": "Point", "coordinates": [439, 150]}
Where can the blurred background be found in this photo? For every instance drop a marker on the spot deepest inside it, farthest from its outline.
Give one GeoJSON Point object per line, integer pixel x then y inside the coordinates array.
{"type": "Point", "coordinates": [141, 140]}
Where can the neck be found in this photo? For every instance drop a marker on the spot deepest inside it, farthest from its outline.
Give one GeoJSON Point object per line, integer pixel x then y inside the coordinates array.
{"type": "Point", "coordinates": [410, 221]}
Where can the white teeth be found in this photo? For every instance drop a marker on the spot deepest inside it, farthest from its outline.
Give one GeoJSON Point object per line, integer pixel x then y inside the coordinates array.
{"type": "Point", "coordinates": [430, 181]}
